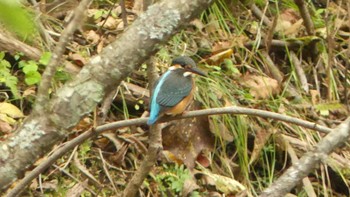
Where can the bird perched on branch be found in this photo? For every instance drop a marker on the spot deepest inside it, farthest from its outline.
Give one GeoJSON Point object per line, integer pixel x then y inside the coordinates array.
{"type": "Point", "coordinates": [173, 91]}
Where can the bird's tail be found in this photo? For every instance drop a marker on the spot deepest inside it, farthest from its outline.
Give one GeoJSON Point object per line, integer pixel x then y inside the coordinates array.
{"type": "Point", "coordinates": [154, 115]}
{"type": "Point", "coordinates": [151, 120]}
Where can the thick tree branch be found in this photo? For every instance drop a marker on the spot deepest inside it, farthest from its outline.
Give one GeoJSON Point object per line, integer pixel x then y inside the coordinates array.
{"type": "Point", "coordinates": [13, 46]}
{"type": "Point", "coordinates": [309, 161]}
{"type": "Point", "coordinates": [139, 121]}
{"type": "Point", "coordinates": [104, 72]}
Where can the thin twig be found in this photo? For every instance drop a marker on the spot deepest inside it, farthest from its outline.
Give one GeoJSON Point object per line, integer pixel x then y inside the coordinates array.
{"type": "Point", "coordinates": [124, 14]}
{"type": "Point", "coordinates": [74, 178]}
{"type": "Point", "coordinates": [305, 14]}
{"type": "Point", "coordinates": [154, 144]}
{"type": "Point", "coordinates": [261, 15]}
{"type": "Point", "coordinates": [308, 161]}
{"type": "Point", "coordinates": [300, 72]}
{"type": "Point", "coordinates": [108, 15]}
{"type": "Point", "coordinates": [106, 170]}
{"type": "Point", "coordinates": [44, 34]}
{"type": "Point", "coordinates": [106, 105]}
{"type": "Point", "coordinates": [140, 121]}
{"type": "Point", "coordinates": [154, 148]}
{"type": "Point", "coordinates": [45, 84]}
{"type": "Point", "coordinates": [279, 44]}
{"type": "Point", "coordinates": [347, 68]}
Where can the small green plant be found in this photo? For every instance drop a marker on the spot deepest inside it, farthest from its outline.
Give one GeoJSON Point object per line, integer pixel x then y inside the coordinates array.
{"type": "Point", "coordinates": [6, 77]}
{"type": "Point", "coordinates": [31, 69]}
{"type": "Point", "coordinates": [173, 179]}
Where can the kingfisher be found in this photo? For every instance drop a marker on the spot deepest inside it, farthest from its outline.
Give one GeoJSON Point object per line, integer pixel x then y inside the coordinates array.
{"type": "Point", "coordinates": [173, 91]}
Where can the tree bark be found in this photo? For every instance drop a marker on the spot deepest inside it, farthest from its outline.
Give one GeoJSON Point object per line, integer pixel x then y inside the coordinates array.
{"type": "Point", "coordinates": [105, 71]}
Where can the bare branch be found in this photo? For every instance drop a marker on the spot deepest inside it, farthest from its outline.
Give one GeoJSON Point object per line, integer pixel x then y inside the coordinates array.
{"type": "Point", "coordinates": [13, 46]}
{"type": "Point", "coordinates": [154, 148]}
{"type": "Point", "coordinates": [309, 161]}
{"type": "Point", "coordinates": [304, 12]}
{"type": "Point", "coordinates": [140, 121]}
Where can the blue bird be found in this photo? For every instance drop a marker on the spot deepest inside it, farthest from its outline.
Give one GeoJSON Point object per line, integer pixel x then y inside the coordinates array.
{"type": "Point", "coordinates": [173, 91]}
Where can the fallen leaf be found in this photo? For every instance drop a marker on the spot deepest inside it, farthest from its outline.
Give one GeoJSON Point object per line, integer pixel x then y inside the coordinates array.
{"type": "Point", "coordinates": [93, 37]}
{"type": "Point", "coordinates": [222, 130]}
{"type": "Point", "coordinates": [84, 124]}
{"type": "Point", "coordinates": [224, 184]}
{"type": "Point", "coordinates": [77, 189]}
{"type": "Point", "coordinates": [50, 185]}
{"type": "Point", "coordinates": [315, 97]}
{"type": "Point", "coordinates": [187, 138]}
{"type": "Point", "coordinates": [5, 127]}
{"type": "Point", "coordinates": [261, 87]}
{"type": "Point", "coordinates": [189, 186]}
{"type": "Point", "coordinates": [260, 140]}
{"type": "Point", "coordinates": [78, 59]}
{"type": "Point", "coordinates": [289, 22]}
{"type": "Point", "coordinates": [109, 23]}
{"type": "Point", "coordinates": [218, 58]}
{"type": "Point", "coordinates": [203, 160]}
{"type": "Point", "coordinates": [10, 110]}
{"type": "Point", "coordinates": [29, 91]}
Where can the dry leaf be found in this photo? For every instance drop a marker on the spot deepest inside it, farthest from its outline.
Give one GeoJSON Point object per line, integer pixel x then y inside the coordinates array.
{"type": "Point", "coordinates": [84, 124]}
{"type": "Point", "coordinates": [189, 186]}
{"type": "Point", "coordinates": [93, 37]}
{"type": "Point", "coordinates": [261, 87]}
{"type": "Point", "coordinates": [29, 91]}
{"type": "Point", "coordinates": [222, 130]}
{"type": "Point", "coordinates": [187, 138]}
{"type": "Point", "coordinates": [77, 189]}
{"type": "Point", "coordinates": [109, 23]}
{"type": "Point", "coordinates": [219, 57]}
{"type": "Point", "coordinates": [10, 110]}
{"type": "Point", "coordinates": [203, 160]}
{"type": "Point", "coordinates": [224, 184]}
{"type": "Point", "coordinates": [260, 140]}
{"type": "Point", "coordinates": [78, 59]}
{"type": "Point", "coordinates": [315, 97]}
{"type": "Point", "coordinates": [5, 127]}
{"type": "Point", "coordinates": [118, 157]}
{"type": "Point", "coordinates": [289, 22]}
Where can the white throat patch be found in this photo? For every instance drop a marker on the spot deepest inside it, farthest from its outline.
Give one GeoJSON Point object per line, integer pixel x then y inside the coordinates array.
{"type": "Point", "coordinates": [186, 74]}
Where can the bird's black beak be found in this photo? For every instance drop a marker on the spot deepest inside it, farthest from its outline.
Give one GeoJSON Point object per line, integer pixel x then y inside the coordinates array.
{"type": "Point", "coordinates": [198, 71]}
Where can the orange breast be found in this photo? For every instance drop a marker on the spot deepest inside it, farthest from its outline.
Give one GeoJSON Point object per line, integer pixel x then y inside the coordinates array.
{"type": "Point", "coordinates": [181, 107]}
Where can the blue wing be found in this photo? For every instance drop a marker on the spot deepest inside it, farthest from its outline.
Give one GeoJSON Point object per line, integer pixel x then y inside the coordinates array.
{"type": "Point", "coordinates": [174, 87]}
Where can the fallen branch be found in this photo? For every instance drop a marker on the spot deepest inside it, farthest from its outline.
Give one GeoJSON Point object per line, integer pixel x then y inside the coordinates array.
{"type": "Point", "coordinates": [140, 121]}
{"type": "Point", "coordinates": [308, 162]}
{"type": "Point", "coordinates": [305, 14]}
{"type": "Point", "coordinates": [13, 46]}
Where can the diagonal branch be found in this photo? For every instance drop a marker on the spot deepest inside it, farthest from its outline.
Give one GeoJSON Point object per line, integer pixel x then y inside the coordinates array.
{"type": "Point", "coordinates": [309, 161]}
